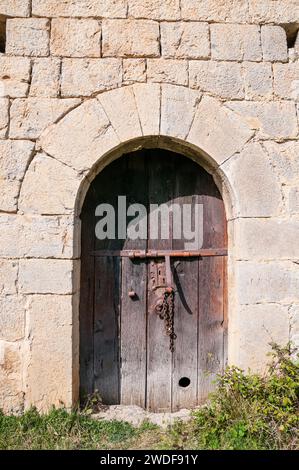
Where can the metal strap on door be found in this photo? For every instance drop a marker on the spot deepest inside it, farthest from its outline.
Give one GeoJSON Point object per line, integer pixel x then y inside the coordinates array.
{"type": "Point", "coordinates": [164, 306]}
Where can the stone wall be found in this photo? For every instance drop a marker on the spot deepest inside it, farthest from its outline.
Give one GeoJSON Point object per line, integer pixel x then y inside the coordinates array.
{"type": "Point", "coordinates": [215, 79]}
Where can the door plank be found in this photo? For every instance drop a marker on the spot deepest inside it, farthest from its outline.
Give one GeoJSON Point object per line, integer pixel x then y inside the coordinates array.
{"type": "Point", "coordinates": [185, 359]}
{"type": "Point", "coordinates": [159, 357]}
{"type": "Point", "coordinates": [133, 310]}
{"type": "Point", "coordinates": [86, 305]}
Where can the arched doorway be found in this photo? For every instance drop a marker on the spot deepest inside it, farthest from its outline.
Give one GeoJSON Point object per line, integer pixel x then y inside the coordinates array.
{"type": "Point", "coordinates": [141, 343]}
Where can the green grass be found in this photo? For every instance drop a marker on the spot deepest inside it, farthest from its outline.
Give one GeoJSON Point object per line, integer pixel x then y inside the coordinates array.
{"type": "Point", "coordinates": [247, 411]}
{"type": "Point", "coordinates": [62, 430]}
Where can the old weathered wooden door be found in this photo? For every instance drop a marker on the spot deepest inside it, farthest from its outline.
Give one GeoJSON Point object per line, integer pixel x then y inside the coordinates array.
{"type": "Point", "coordinates": [124, 349]}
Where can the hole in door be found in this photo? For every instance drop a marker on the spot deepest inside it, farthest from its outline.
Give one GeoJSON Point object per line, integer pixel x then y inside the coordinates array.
{"type": "Point", "coordinates": [184, 382]}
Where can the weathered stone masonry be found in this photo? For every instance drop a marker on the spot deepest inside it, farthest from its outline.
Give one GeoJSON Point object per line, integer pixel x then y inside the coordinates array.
{"type": "Point", "coordinates": [82, 80]}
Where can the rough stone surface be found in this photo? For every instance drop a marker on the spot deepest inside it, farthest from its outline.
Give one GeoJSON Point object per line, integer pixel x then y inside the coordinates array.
{"type": "Point", "coordinates": [185, 40]}
{"type": "Point", "coordinates": [14, 76]}
{"type": "Point", "coordinates": [45, 276]}
{"type": "Point", "coordinates": [8, 277]}
{"type": "Point", "coordinates": [235, 42]}
{"type": "Point", "coordinates": [28, 37]}
{"type": "Point", "coordinates": [254, 183]}
{"type": "Point", "coordinates": [130, 38]}
{"type": "Point", "coordinates": [263, 324]}
{"type": "Point", "coordinates": [155, 9]}
{"type": "Point", "coordinates": [215, 10]}
{"type": "Point", "coordinates": [258, 80]}
{"type": "Point", "coordinates": [28, 236]}
{"type": "Point", "coordinates": [67, 140]}
{"type": "Point", "coordinates": [84, 77]}
{"type": "Point", "coordinates": [79, 8]}
{"type": "Point", "coordinates": [134, 70]}
{"type": "Point", "coordinates": [15, 7]}
{"type": "Point", "coordinates": [221, 133]}
{"type": "Point", "coordinates": [4, 116]}
{"type": "Point", "coordinates": [274, 43]}
{"type": "Point", "coordinates": [38, 194]}
{"type": "Point", "coordinates": [75, 38]}
{"type": "Point", "coordinates": [51, 346]}
{"type": "Point", "coordinates": [45, 78]}
{"type": "Point", "coordinates": [178, 108]}
{"type": "Point", "coordinates": [137, 416]}
{"type": "Point", "coordinates": [15, 158]}
{"type": "Point", "coordinates": [267, 239]}
{"type": "Point", "coordinates": [286, 80]}
{"type": "Point", "coordinates": [148, 101]}
{"type": "Point", "coordinates": [12, 318]}
{"type": "Point", "coordinates": [293, 200]}
{"type": "Point", "coordinates": [262, 282]}
{"type": "Point", "coordinates": [222, 79]}
{"type": "Point", "coordinates": [119, 103]}
{"type": "Point", "coordinates": [271, 11]}
{"type": "Point", "coordinates": [271, 120]}
{"type": "Point", "coordinates": [30, 117]}
{"type": "Point", "coordinates": [11, 378]}
{"type": "Point", "coordinates": [284, 158]}
{"type": "Point", "coordinates": [167, 70]}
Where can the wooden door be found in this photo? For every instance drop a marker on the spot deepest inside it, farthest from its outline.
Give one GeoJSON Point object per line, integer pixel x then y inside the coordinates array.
{"type": "Point", "coordinates": [124, 350]}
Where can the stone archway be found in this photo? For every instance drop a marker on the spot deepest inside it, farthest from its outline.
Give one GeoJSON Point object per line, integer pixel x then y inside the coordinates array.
{"type": "Point", "coordinates": [72, 151]}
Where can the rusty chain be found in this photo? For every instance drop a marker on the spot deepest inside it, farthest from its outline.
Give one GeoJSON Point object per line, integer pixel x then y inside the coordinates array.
{"type": "Point", "coordinates": [165, 310]}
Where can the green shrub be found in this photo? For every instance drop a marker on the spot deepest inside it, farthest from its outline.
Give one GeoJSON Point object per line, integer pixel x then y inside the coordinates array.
{"type": "Point", "coordinates": [249, 411]}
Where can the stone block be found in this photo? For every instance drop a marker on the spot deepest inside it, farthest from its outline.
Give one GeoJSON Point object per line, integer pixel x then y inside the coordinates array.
{"type": "Point", "coordinates": [178, 107]}
{"type": "Point", "coordinates": [79, 8]}
{"type": "Point", "coordinates": [167, 71]}
{"type": "Point", "coordinates": [15, 8]}
{"type": "Point", "coordinates": [254, 183]}
{"type": "Point", "coordinates": [8, 277]}
{"type": "Point", "coordinates": [286, 80]}
{"type": "Point", "coordinates": [50, 334]}
{"type": "Point", "coordinates": [148, 102]}
{"type": "Point", "coordinates": [259, 326]}
{"type": "Point", "coordinates": [14, 76]}
{"type": "Point", "coordinates": [134, 70]}
{"type": "Point", "coordinates": [29, 117]}
{"type": "Point", "coordinates": [28, 37]}
{"type": "Point", "coordinates": [130, 38]}
{"type": "Point", "coordinates": [274, 11]}
{"type": "Point", "coordinates": [49, 187]}
{"type": "Point", "coordinates": [15, 158]}
{"type": "Point", "coordinates": [155, 9]}
{"type": "Point", "coordinates": [274, 43]}
{"type": "Point", "coordinates": [235, 42]}
{"type": "Point", "coordinates": [185, 40]}
{"type": "Point", "coordinates": [221, 133]}
{"type": "Point", "coordinates": [223, 79]}
{"type": "Point", "coordinates": [46, 276]}
{"type": "Point", "coordinates": [275, 282]}
{"type": "Point", "coordinates": [4, 117]}
{"type": "Point", "coordinates": [267, 239]}
{"type": "Point", "coordinates": [75, 38]}
{"type": "Point", "coordinates": [120, 107]}
{"type": "Point", "coordinates": [234, 11]}
{"type": "Point", "coordinates": [284, 158]}
{"type": "Point", "coordinates": [12, 318]}
{"type": "Point", "coordinates": [11, 378]}
{"type": "Point", "coordinates": [84, 77]}
{"type": "Point", "coordinates": [258, 79]}
{"type": "Point", "coordinates": [271, 120]}
{"type": "Point", "coordinates": [81, 137]}
{"type": "Point", "coordinates": [45, 78]}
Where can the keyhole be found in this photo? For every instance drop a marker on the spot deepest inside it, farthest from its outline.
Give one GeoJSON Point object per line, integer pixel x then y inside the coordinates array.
{"type": "Point", "coordinates": [184, 382]}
